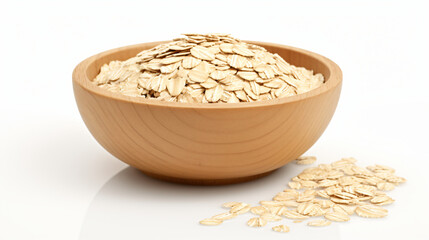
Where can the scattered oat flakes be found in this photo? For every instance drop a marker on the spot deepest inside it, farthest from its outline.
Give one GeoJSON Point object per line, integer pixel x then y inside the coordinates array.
{"type": "Point", "coordinates": [319, 223]}
{"type": "Point", "coordinates": [382, 200]}
{"type": "Point", "coordinates": [344, 209]}
{"type": "Point", "coordinates": [306, 208]}
{"type": "Point", "coordinates": [308, 184]}
{"type": "Point", "coordinates": [291, 214]}
{"type": "Point", "coordinates": [335, 191]}
{"type": "Point", "coordinates": [324, 203]}
{"type": "Point", "coordinates": [272, 203]}
{"type": "Point", "coordinates": [278, 210]}
{"type": "Point", "coordinates": [285, 196]}
{"type": "Point", "coordinates": [281, 228]}
{"type": "Point", "coordinates": [385, 186]}
{"type": "Point", "coordinates": [290, 203]}
{"type": "Point", "coordinates": [294, 185]}
{"type": "Point", "coordinates": [322, 194]}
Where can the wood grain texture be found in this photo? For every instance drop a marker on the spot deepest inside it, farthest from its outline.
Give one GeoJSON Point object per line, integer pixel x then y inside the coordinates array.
{"type": "Point", "coordinates": [207, 143]}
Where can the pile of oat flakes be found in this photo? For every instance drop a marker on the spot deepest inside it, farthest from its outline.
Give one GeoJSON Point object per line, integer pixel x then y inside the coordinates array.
{"type": "Point", "coordinates": [207, 68]}
{"type": "Point", "coordinates": [332, 191]}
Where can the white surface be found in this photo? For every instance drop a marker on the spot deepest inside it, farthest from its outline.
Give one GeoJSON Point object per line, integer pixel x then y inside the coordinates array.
{"type": "Point", "coordinates": [56, 182]}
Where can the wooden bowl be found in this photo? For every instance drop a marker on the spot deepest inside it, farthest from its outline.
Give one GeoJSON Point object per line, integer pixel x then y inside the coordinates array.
{"type": "Point", "coordinates": [207, 143]}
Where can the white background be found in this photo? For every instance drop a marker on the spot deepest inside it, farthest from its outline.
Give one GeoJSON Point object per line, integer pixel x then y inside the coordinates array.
{"type": "Point", "coordinates": [57, 182]}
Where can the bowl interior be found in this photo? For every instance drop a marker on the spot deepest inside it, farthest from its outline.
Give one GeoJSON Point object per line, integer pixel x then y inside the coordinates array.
{"type": "Point", "coordinates": [298, 57]}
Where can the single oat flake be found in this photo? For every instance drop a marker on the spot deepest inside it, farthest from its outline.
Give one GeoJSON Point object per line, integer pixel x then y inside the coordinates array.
{"type": "Point", "coordinates": [257, 222]}
{"type": "Point", "coordinates": [281, 228]}
{"type": "Point", "coordinates": [292, 214]}
{"type": "Point", "coordinates": [259, 210]}
{"type": "Point", "coordinates": [319, 223]}
{"type": "Point", "coordinates": [271, 217]}
{"type": "Point", "coordinates": [223, 69]}
{"type": "Point", "coordinates": [210, 221]}
{"type": "Point", "coordinates": [224, 216]}
{"type": "Point", "coordinates": [337, 216]}
{"type": "Point", "coordinates": [371, 211]}
{"type": "Point", "coordinates": [230, 204]}
{"type": "Point", "coordinates": [305, 160]}
{"type": "Point", "coordinates": [240, 208]}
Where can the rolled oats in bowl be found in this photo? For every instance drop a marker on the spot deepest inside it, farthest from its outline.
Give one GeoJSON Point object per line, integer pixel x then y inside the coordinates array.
{"type": "Point", "coordinates": [207, 68]}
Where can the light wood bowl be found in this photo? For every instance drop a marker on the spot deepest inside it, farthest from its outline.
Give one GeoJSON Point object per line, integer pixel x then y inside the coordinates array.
{"type": "Point", "coordinates": [207, 143]}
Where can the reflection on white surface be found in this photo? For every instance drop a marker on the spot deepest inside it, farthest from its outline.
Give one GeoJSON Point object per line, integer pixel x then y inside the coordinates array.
{"type": "Point", "coordinates": [133, 206]}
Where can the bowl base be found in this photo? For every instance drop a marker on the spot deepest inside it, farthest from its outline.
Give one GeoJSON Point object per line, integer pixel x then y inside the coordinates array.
{"type": "Point", "coordinates": [207, 182]}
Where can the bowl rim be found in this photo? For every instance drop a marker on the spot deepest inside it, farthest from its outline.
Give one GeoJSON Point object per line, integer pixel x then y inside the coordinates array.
{"type": "Point", "coordinates": [80, 78]}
